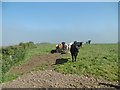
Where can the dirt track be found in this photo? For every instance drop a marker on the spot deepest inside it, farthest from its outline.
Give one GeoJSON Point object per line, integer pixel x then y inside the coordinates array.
{"type": "Point", "coordinates": [36, 61]}
{"type": "Point", "coordinates": [49, 78]}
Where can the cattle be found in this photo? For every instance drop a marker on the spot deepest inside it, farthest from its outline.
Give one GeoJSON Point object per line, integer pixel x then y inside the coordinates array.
{"type": "Point", "coordinates": [58, 47]}
{"type": "Point", "coordinates": [88, 42]}
{"type": "Point", "coordinates": [75, 49]}
{"type": "Point", "coordinates": [69, 45]}
{"type": "Point", "coordinates": [61, 48]}
{"type": "Point", "coordinates": [64, 48]}
{"type": "Point", "coordinates": [53, 51]}
{"type": "Point", "coordinates": [80, 43]}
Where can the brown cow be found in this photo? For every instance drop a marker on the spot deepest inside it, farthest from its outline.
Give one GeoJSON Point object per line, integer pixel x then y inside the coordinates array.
{"type": "Point", "coordinates": [61, 47]}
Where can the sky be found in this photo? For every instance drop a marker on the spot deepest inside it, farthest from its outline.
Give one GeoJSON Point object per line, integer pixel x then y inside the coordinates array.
{"type": "Point", "coordinates": [0, 24]}
{"type": "Point", "coordinates": [55, 22]}
{"type": "Point", "coordinates": [60, 0]}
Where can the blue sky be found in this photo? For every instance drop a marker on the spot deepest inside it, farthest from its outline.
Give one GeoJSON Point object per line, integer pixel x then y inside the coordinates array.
{"type": "Point", "coordinates": [0, 24]}
{"type": "Point", "coordinates": [55, 22]}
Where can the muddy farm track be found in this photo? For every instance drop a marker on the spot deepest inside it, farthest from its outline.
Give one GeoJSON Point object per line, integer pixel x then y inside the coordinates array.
{"type": "Point", "coordinates": [49, 77]}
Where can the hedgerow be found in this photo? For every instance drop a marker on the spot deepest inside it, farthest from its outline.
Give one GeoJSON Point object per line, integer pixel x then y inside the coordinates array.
{"type": "Point", "coordinates": [11, 55]}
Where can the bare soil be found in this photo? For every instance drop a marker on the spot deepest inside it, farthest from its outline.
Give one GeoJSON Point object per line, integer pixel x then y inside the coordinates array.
{"type": "Point", "coordinates": [35, 61]}
{"type": "Point", "coordinates": [50, 78]}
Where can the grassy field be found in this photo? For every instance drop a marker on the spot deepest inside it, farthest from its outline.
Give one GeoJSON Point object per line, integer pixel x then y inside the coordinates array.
{"type": "Point", "coordinates": [98, 60]}
{"type": "Point", "coordinates": [41, 49]}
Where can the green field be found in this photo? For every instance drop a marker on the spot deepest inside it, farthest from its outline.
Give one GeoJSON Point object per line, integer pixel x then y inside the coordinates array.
{"type": "Point", "coordinates": [98, 60]}
{"type": "Point", "coordinates": [41, 49]}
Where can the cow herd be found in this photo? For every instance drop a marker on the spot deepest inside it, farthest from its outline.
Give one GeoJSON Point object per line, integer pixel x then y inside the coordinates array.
{"type": "Point", "coordinates": [72, 48]}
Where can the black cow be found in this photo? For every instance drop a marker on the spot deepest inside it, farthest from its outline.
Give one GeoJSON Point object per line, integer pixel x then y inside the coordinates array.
{"type": "Point", "coordinates": [80, 44]}
{"type": "Point", "coordinates": [53, 51]}
{"type": "Point", "coordinates": [75, 49]}
{"type": "Point", "coordinates": [88, 42]}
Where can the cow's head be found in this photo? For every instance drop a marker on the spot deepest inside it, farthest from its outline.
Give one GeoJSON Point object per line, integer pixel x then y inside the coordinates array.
{"type": "Point", "coordinates": [79, 44]}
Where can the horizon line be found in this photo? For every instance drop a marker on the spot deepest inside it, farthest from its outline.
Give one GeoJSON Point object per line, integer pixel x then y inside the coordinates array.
{"type": "Point", "coordinates": [54, 43]}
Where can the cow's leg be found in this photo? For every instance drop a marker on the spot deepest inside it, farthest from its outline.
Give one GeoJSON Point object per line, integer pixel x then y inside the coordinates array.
{"type": "Point", "coordinates": [75, 57]}
{"type": "Point", "coordinates": [72, 58]}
